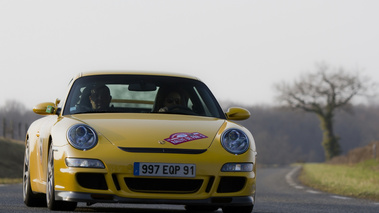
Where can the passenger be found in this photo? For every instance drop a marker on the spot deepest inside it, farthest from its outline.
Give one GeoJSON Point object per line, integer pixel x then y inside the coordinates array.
{"type": "Point", "coordinates": [172, 99]}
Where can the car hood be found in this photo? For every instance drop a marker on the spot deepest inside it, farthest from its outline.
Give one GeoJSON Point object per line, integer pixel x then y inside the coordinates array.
{"type": "Point", "coordinates": [154, 130]}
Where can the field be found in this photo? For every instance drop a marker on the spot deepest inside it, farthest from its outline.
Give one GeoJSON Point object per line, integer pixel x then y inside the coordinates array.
{"type": "Point", "coordinates": [355, 175]}
{"type": "Point", "coordinates": [11, 161]}
{"type": "Point", "coordinates": [360, 180]}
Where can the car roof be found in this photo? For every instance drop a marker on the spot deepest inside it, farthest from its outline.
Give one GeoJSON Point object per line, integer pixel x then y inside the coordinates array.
{"type": "Point", "coordinates": [94, 73]}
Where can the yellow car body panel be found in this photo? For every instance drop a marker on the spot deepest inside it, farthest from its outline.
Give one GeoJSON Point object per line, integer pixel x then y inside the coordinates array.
{"type": "Point", "coordinates": [141, 129]}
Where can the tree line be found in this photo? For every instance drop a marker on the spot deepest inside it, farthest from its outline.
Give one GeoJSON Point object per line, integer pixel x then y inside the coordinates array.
{"type": "Point", "coordinates": [15, 120]}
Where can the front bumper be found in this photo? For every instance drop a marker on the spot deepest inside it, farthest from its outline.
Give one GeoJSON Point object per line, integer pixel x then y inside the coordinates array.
{"type": "Point", "coordinates": [117, 184]}
{"type": "Point", "coordinates": [107, 198]}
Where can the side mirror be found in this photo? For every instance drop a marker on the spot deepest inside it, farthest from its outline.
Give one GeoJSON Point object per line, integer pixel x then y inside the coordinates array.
{"type": "Point", "coordinates": [47, 108]}
{"type": "Point", "coordinates": [236, 113]}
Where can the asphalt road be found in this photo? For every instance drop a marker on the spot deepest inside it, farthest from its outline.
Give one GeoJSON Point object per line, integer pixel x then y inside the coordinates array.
{"type": "Point", "coordinates": [277, 191]}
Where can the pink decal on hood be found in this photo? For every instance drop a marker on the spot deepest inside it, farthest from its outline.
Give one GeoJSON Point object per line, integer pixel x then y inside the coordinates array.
{"type": "Point", "coordinates": [182, 137]}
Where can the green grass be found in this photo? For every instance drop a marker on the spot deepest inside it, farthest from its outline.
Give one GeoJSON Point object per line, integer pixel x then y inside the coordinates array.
{"type": "Point", "coordinates": [11, 161]}
{"type": "Point", "coordinates": [360, 180]}
{"type": "Point", "coordinates": [10, 180]}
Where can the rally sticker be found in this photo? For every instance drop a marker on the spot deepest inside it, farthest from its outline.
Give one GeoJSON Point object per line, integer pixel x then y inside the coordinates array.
{"type": "Point", "coordinates": [183, 137]}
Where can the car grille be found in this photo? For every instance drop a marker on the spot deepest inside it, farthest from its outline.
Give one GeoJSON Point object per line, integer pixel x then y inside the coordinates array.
{"type": "Point", "coordinates": [155, 185]}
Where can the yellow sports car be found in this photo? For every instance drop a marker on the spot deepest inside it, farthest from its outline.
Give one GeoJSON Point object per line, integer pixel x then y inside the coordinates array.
{"type": "Point", "coordinates": [139, 138]}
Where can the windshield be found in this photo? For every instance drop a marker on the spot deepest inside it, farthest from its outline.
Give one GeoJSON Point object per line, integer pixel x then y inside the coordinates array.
{"type": "Point", "coordinates": [141, 94]}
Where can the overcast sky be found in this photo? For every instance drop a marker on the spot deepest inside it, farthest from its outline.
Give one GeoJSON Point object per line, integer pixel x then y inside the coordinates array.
{"type": "Point", "coordinates": [238, 48]}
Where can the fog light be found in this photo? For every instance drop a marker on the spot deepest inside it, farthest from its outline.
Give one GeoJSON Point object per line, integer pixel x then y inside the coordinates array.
{"type": "Point", "coordinates": [237, 167]}
{"type": "Point", "coordinates": [84, 163]}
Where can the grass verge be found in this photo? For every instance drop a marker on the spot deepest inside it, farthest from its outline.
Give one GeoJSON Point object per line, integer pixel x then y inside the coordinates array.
{"type": "Point", "coordinates": [11, 161]}
{"type": "Point", "coordinates": [360, 180]}
{"type": "Point", "coordinates": [10, 180]}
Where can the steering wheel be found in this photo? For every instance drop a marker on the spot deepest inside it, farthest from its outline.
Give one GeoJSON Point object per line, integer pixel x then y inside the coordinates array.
{"type": "Point", "coordinates": [179, 109]}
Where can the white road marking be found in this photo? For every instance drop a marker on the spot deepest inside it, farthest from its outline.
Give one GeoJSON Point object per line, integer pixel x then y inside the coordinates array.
{"type": "Point", "coordinates": [313, 192]}
{"type": "Point", "coordinates": [340, 197]}
{"type": "Point", "coordinates": [290, 180]}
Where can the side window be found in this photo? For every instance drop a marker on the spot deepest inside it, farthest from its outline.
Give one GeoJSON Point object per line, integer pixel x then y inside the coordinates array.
{"type": "Point", "coordinates": [80, 99]}
{"type": "Point", "coordinates": [190, 104]}
{"type": "Point", "coordinates": [202, 104]}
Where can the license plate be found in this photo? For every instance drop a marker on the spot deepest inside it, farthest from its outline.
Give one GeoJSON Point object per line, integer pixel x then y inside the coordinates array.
{"type": "Point", "coordinates": [164, 169]}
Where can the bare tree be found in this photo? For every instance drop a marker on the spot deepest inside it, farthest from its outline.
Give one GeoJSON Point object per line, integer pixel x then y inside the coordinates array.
{"type": "Point", "coordinates": [323, 92]}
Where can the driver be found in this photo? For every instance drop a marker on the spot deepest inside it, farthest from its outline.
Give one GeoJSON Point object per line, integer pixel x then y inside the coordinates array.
{"type": "Point", "coordinates": [100, 98]}
{"type": "Point", "coordinates": [172, 99]}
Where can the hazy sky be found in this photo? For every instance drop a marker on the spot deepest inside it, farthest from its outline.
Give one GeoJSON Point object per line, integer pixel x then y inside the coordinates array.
{"type": "Point", "coordinates": [238, 48]}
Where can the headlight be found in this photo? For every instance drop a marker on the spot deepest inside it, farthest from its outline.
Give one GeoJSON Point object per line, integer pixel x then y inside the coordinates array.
{"type": "Point", "coordinates": [235, 141]}
{"type": "Point", "coordinates": [82, 137]}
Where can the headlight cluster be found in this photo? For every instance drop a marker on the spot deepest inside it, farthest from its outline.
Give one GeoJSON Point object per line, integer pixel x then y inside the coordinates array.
{"type": "Point", "coordinates": [235, 141]}
{"type": "Point", "coordinates": [84, 163]}
{"type": "Point", "coordinates": [237, 167]}
{"type": "Point", "coordinates": [82, 137]}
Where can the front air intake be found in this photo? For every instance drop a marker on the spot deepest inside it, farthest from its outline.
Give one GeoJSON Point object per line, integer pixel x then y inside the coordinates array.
{"type": "Point", "coordinates": [156, 185]}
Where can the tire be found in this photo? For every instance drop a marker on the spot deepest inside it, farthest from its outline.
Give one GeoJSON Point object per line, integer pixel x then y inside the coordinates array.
{"type": "Point", "coordinates": [30, 199]}
{"type": "Point", "coordinates": [239, 209]}
{"type": "Point", "coordinates": [52, 204]}
{"type": "Point", "coordinates": [198, 208]}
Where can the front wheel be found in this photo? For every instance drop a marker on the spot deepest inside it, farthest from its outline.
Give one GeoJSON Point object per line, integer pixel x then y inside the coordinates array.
{"type": "Point", "coordinates": [52, 204]}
